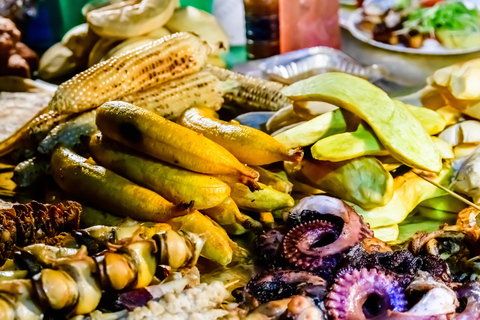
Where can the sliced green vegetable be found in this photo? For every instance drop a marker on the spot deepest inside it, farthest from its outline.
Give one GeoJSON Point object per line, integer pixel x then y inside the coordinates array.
{"type": "Point", "coordinates": [408, 228]}
{"type": "Point", "coordinates": [444, 203]}
{"type": "Point", "coordinates": [452, 22]}
{"type": "Point", "coordinates": [437, 215]}
{"type": "Point", "coordinates": [396, 128]}
{"type": "Point", "coordinates": [362, 181]}
{"type": "Point", "coordinates": [307, 133]}
{"type": "Point", "coordinates": [410, 190]}
{"type": "Point", "coordinates": [348, 145]}
{"type": "Point", "coordinates": [431, 121]}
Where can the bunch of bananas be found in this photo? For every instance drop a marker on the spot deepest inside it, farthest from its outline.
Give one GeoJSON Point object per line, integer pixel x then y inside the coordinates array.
{"type": "Point", "coordinates": [152, 169]}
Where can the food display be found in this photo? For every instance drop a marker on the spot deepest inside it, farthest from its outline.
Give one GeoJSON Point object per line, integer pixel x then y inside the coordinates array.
{"type": "Point", "coordinates": [155, 198]}
{"type": "Point", "coordinates": [426, 25]}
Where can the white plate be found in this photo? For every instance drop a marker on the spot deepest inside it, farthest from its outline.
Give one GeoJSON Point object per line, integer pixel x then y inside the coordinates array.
{"type": "Point", "coordinates": [435, 49]}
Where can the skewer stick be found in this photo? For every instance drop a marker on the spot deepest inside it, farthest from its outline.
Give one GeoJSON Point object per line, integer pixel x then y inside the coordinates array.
{"type": "Point", "coordinates": [453, 194]}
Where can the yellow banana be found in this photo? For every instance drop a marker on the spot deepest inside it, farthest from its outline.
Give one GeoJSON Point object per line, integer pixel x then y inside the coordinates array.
{"type": "Point", "coordinates": [230, 218]}
{"type": "Point", "coordinates": [263, 200]}
{"type": "Point", "coordinates": [152, 134]}
{"type": "Point", "coordinates": [249, 145]}
{"type": "Point", "coordinates": [217, 246]}
{"type": "Point", "coordinates": [175, 184]}
{"type": "Point", "coordinates": [82, 178]}
{"type": "Point", "coordinates": [276, 180]}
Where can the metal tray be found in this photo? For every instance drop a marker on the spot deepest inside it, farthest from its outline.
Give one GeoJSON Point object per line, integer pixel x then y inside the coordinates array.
{"type": "Point", "coordinates": [297, 65]}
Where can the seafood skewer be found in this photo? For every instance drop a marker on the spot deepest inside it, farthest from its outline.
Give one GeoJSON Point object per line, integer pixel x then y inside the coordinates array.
{"type": "Point", "coordinates": [73, 284]}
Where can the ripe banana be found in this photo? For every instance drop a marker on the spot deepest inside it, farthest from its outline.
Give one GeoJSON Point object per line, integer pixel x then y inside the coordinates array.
{"type": "Point", "coordinates": [175, 184]}
{"type": "Point", "coordinates": [218, 246]}
{"type": "Point", "coordinates": [276, 180]}
{"type": "Point", "coordinates": [152, 134]}
{"type": "Point", "coordinates": [249, 145]}
{"type": "Point", "coordinates": [264, 200]}
{"type": "Point", "coordinates": [130, 18]}
{"type": "Point", "coordinates": [82, 178]}
{"type": "Point", "coordinates": [230, 218]}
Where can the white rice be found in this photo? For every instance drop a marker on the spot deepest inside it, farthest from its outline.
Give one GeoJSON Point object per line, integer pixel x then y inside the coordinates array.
{"type": "Point", "coordinates": [198, 303]}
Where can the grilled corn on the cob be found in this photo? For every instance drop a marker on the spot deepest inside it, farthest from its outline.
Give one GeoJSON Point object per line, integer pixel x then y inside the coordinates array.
{"type": "Point", "coordinates": [151, 64]}
{"type": "Point", "coordinates": [172, 98]}
{"type": "Point", "coordinates": [251, 93]}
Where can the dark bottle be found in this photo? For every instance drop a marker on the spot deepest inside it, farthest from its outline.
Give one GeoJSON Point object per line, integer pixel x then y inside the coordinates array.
{"type": "Point", "coordinates": [261, 22]}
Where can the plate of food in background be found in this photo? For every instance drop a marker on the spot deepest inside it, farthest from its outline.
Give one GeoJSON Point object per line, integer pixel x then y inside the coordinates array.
{"type": "Point", "coordinates": [418, 27]}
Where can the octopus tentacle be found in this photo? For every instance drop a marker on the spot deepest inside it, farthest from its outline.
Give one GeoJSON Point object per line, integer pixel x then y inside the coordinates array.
{"type": "Point", "coordinates": [364, 294]}
{"type": "Point", "coordinates": [281, 284]}
{"type": "Point", "coordinates": [353, 229]}
{"type": "Point", "coordinates": [469, 294]}
{"type": "Point", "coordinates": [303, 308]}
{"type": "Point", "coordinates": [268, 248]}
{"type": "Point", "coordinates": [312, 245]}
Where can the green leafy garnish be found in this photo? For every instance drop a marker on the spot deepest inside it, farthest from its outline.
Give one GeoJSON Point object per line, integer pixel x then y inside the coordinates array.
{"type": "Point", "coordinates": [451, 16]}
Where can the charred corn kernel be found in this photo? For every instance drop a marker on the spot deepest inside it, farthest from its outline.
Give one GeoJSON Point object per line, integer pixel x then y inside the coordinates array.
{"type": "Point", "coordinates": [68, 133]}
{"type": "Point", "coordinates": [151, 64]}
{"type": "Point", "coordinates": [263, 200]}
{"type": "Point", "coordinates": [84, 179]}
{"type": "Point", "coordinates": [170, 99]}
{"type": "Point", "coordinates": [276, 180]}
{"type": "Point", "coordinates": [175, 184]}
{"type": "Point", "coordinates": [249, 145]}
{"type": "Point", "coordinates": [251, 93]}
{"type": "Point", "coordinates": [230, 218]}
{"type": "Point", "coordinates": [165, 140]}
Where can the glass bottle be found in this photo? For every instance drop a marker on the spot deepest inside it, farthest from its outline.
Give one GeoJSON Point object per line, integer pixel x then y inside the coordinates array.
{"type": "Point", "coordinates": [262, 30]}
{"type": "Point", "coordinates": [309, 23]}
